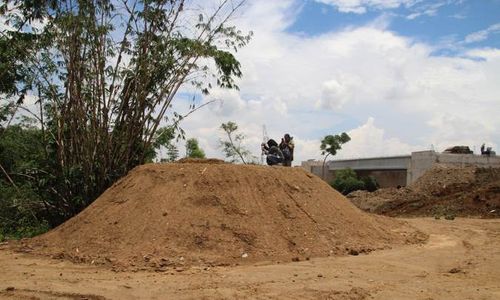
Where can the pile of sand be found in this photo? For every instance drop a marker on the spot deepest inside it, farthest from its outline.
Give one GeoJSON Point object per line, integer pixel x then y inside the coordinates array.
{"type": "Point", "coordinates": [204, 214]}
{"type": "Point", "coordinates": [445, 179]}
{"type": "Point", "coordinates": [441, 191]}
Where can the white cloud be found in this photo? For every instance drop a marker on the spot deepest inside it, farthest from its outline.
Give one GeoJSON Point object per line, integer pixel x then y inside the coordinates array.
{"type": "Point", "coordinates": [386, 90]}
{"type": "Point", "coordinates": [361, 6]}
{"type": "Point", "coordinates": [482, 35]}
{"type": "Point", "coordinates": [429, 10]}
{"type": "Point", "coordinates": [459, 16]}
{"type": "Point", "coordinates": [417, 8]}
{"type": "Point", "coordinates": [413, 16]}
{"type": "Point", "coordinates": [338, 91]}
{"type": "Point", "coordinates": [368, 140]}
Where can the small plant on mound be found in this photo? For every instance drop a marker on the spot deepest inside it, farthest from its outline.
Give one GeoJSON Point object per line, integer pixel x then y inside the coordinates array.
{"type": "Point", "coordinates": [347, 181]}
{"type": "Point", "coordinates": [232, 147]}
{"type": "Point", "coordinates": [450, 217]}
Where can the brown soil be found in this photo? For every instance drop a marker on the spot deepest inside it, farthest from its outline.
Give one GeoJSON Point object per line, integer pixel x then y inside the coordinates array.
{"type": "Point", "coordinates": [441, 191]}
{"type": "Point", "coordinates": [189, 160]}
{"type": "Point", "coordinates": [460, 261]}
{"type": "Point", "coordinates": [164, 216]}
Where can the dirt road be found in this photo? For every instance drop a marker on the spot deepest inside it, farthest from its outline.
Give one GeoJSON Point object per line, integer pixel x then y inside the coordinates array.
{"type": "Point", "coordinates": [460, 261]}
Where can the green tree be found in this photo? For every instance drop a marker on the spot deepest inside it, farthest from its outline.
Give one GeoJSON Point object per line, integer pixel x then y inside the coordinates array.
{"type": "Point", "coordinates": [347, 181]}
{"type": "Point", "coordinates": [193, 149]}
{"type": "Point", "coordinates": [23, 209]}
{"type": "Point", "coordinates": [232, 146]}
{"type": "Point", "coordinates": [106, 73]}
{"type": "Point", "coordinates": [331, 144]}
{"type": "Point", "coordinates": [172, 152]}
{"type": "Point", "coordinates": [164, 139]}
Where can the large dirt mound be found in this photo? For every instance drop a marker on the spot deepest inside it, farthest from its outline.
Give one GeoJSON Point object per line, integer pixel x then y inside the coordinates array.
{"type": "Point", "coordinates": [441, 191]}
{"type": "Point", "coordinates": [218, 214]}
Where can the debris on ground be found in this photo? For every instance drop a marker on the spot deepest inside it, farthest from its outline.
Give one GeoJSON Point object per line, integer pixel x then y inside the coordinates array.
{"type": "Point", "coordinates": [443, 191]}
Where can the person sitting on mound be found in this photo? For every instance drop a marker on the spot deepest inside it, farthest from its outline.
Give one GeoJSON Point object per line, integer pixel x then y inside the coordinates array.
{"type": "Point", "coordinates": [274, 156]}
{"type": "Point", "coordinates": [287, 146]}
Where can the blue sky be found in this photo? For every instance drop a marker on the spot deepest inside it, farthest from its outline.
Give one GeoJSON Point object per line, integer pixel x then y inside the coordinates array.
{"type": "Point", "coordinates": [426, 21]}
{"type": "Point", "coordinates": [396, 75]}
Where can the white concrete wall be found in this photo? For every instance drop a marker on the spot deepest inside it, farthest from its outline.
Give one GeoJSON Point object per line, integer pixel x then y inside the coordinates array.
{"type": "Point", "coordinates": [420, 162]}
{"type": "Point", "coordinates": [469, 160]}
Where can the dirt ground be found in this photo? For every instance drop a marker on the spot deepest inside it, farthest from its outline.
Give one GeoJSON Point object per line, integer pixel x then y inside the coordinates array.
{"type": "Point", "coordinates": [461, 260]}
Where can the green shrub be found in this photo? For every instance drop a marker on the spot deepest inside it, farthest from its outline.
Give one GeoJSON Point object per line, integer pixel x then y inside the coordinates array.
{"type": "Point", "coordinates": [371, 184]}
{"type": "Point", "coordinates": [22, 211]}
{"type": "Point", "coordinates": [347, 181]}
{"type": "Point", "coordinates": [25, 227]}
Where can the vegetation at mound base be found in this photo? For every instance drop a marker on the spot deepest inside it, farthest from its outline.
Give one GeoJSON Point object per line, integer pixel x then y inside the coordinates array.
{"type": "Point", "coordinates": [99, 78]}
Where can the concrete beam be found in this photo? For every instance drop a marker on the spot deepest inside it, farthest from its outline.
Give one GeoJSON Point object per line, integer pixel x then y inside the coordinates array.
{"type": "Point", "coordinates": [374, 163]}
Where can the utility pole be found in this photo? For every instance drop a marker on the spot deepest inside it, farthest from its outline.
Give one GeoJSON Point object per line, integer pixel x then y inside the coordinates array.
{"type": "Point", "coordinates": [265, 138]}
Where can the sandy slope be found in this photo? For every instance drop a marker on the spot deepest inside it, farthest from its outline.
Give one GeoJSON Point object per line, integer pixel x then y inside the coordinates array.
{"type": "Point", "coordinates": [205, 214]}
{"type": "Point", "coordinates": [461, 260]}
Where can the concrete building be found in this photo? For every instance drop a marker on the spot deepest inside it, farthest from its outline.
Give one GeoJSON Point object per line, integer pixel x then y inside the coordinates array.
{"type": "Point", "coordinates": [398, 170]}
